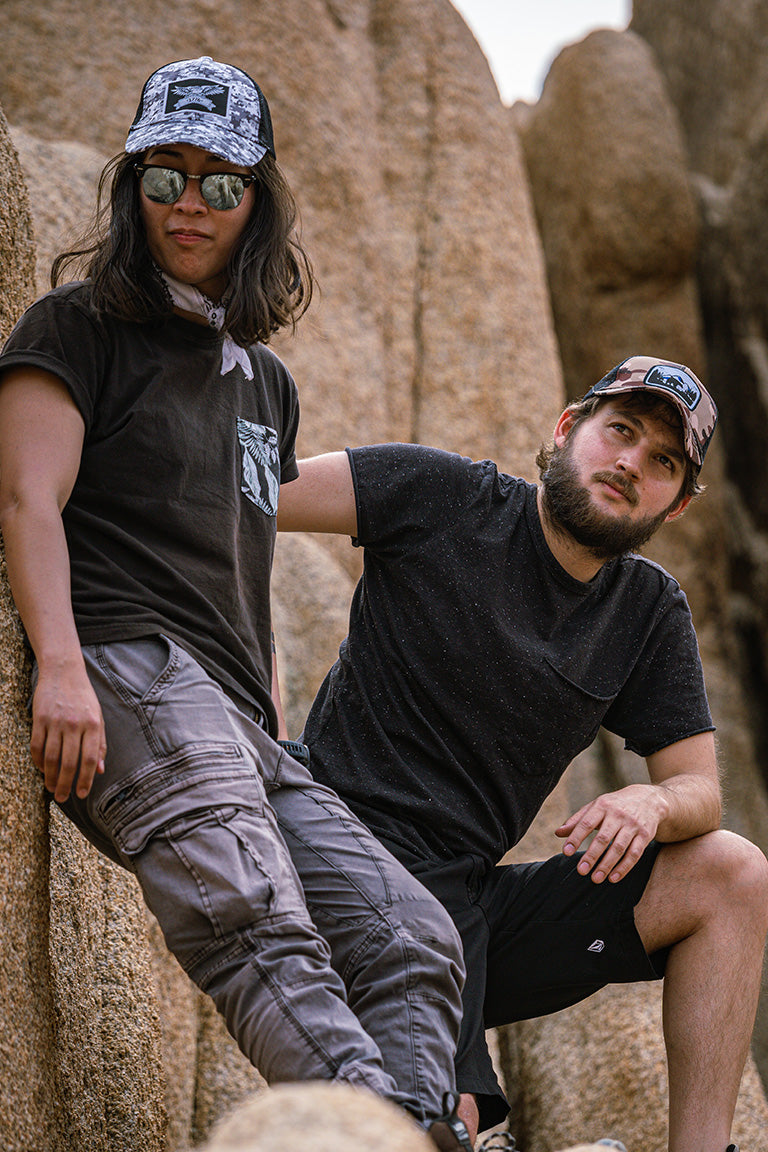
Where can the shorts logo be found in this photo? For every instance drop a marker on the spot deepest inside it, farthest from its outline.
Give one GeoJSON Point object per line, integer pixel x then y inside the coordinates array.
{"type": "Point", "coordinates": [677, 381]}
{"type": "Point", "coordinates": [261, 465]}
{"type": "Point", "coordinates": [596, 946]}
{"type": "Point", "coordinates": [197, 94]}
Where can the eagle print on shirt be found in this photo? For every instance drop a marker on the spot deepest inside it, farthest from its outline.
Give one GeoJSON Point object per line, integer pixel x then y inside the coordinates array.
{"type": "Point", "coordinates": [261, 465]}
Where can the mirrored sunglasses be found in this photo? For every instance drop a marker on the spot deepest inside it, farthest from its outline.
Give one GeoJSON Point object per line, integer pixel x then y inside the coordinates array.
{"type": "Point", "coordinates": [220, 190]}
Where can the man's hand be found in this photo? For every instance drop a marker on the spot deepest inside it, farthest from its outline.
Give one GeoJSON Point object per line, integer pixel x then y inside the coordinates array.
{"type": "Point", "coordinates": [67, 731]}
{"type": "Point", "coordinates": [624, 824]}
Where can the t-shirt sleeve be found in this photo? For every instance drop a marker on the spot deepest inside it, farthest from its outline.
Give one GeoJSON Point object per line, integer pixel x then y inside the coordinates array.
{"type": "Point", "coordinates": [288, 467]}
{"type": "Point", "coordinates": [664, 700]}
{"type": "Point", "coordinates": [59, 336]}
{"type": "Point", "coordinates": [407, 492]}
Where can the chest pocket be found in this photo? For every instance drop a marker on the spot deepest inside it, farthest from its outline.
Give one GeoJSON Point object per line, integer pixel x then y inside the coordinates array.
{"type": "Point", "coordinates": [577, 708]}
{"type": "Point", "coordinates": [260, 476]}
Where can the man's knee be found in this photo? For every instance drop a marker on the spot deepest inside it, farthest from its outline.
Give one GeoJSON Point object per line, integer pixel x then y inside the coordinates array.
{"type": "Point", "coordinates": [695, 882]}
{"type": "Point", "coordinates": [729, 871]}
{"type": "Point", "coordinates": [731, 864]}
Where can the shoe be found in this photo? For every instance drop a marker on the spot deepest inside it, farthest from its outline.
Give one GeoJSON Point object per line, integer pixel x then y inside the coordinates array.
{"type": "Point", "coordinates": [449, 1132]}
{"type": "Point", "coordinates": [732, 1148]}
{"type": "Point", "coordinates": [617, 1144]}
{"type": "Point", "coordinates": [498, 1142]}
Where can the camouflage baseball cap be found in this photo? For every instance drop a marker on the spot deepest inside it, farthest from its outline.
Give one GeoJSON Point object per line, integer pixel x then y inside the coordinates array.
{"type": "Point", "coordinates": [675, 383]}
{"type": "Point", "coordinates": [202, 102]}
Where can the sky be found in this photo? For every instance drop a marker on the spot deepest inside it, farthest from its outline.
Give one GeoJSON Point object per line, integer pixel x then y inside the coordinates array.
{"type": "Point", "coordinates": [520, 38]}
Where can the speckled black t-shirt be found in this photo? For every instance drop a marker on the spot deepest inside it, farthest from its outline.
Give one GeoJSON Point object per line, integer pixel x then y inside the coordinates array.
{"type": "Point", "coordinates": [476, 667]}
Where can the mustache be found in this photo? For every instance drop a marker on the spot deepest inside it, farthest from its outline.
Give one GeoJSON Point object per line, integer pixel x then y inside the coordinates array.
{"type": "Point", "coordinates": [616, 480]}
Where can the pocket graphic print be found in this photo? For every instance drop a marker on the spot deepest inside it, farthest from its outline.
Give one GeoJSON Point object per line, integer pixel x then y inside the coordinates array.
{"type": "Point", "coordinates": [261, 465]}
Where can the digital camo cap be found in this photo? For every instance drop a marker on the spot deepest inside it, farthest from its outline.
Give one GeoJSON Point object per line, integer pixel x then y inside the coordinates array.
{"type": "Point", "coordinates": [214, 106]}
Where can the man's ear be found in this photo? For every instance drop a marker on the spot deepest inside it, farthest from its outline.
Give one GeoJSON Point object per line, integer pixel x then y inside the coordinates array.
{"type": "Point", "coordinates": [563, 428]}
{"type": "Point", "coordinates": [678, 509]}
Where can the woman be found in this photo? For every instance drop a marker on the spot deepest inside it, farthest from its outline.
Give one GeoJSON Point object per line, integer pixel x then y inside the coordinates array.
{"type": "Point", "coordinates": [144, 432]}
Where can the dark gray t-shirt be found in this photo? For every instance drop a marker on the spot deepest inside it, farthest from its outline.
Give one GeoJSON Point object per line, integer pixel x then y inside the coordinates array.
{"type": "Point", "coordinates": [171, 522]}
{"type": "Point", "coordinates": [476, 667]}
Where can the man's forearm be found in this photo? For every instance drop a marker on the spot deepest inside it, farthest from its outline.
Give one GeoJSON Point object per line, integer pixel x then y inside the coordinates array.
{"type": "Point", "coordinates": [693, 806]}
{"type": "Point", "coordinates": [687, 778]}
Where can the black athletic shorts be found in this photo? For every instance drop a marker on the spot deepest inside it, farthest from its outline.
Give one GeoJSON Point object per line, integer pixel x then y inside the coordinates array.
{"type": "Point", "coordinates": [537, 938]}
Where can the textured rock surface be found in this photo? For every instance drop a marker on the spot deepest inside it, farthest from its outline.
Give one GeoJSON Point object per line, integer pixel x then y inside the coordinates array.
{"type": "Point", "coordinates": [310, 596]}
{"type": "Point", "coordinates": [28, 1113]}
{"type": "Point", "coordinates": [17, 243]}
{"type": "Point", "coordinates": [108, 1049]}
{"type": "Point", "coordinates": [713, 55]}
{"type": "Point", "coordinates": [328, 1117]}
{"type": "Point", "coordinates": [432, 323]}
{"type": "Point", "coordinates": [62, 178]}
{"type": "Point", "coordinates": [615, 208]}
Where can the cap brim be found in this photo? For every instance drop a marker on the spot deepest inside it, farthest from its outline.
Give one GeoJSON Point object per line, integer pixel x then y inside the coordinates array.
{"type": "Point", "coordinates": [228, 145]}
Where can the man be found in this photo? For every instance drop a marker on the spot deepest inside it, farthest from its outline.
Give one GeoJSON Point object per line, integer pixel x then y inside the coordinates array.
{"type": "Point", "coordinates": [497, 625]}
{"type": "Point", "coordinates": [144, 428]}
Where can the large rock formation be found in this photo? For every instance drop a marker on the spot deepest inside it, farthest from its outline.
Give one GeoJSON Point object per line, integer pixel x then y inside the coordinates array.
{"type": "Point", "coordinates": [331, 1117]}
{"type": "Point", "coordinates": [712, 54]}
{"type": "Point", "coordinates": [432, 323]}
{"type": "Point", "coordinates": [419, 226]}
{"type": "Point", "coordinates": [28, 1107]}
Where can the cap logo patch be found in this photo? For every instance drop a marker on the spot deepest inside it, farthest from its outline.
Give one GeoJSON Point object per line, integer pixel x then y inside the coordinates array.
{"type": "Point", "coordinates": [677, 381]}
{"type": "Point", "coordinates": [199, 95]}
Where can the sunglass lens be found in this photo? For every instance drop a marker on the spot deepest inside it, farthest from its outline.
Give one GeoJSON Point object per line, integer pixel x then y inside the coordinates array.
{"type": "Point", "coordinates": [222, 190]}
{"type": "Point", "coordinates": [163, 185]}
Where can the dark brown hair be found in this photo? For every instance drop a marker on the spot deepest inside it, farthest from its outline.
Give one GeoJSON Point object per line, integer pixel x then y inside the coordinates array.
{"type": "Point", "coordinates": [641, 402]}
{"type": "Point", "coordinates": [270, 273]}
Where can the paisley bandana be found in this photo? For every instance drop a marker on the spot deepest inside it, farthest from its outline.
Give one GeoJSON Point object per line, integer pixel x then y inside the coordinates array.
{"type": "Point", "coordinates": [188, 298]}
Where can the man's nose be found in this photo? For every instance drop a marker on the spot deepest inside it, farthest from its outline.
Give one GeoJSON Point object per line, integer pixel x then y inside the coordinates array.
{"type": "Point", "coordinates": [631, 460]}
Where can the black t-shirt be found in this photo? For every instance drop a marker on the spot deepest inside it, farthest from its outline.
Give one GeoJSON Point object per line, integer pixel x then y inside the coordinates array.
{"type": "Point", "coordinates": [476, 667]}
{"type": "Point", "coordinates": [171, 522]}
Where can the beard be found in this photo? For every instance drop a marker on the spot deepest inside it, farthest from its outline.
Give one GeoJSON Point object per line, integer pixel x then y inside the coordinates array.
{"type": "Point", "coordinates": [570, 509]}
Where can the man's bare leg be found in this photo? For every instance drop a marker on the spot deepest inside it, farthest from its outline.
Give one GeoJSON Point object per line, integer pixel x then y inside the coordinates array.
{"type": "Point", "coordinates": [708, 899]}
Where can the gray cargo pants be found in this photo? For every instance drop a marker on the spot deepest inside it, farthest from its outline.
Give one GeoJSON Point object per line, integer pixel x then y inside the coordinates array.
{"type": "Point", "coordinates": [325, 957]}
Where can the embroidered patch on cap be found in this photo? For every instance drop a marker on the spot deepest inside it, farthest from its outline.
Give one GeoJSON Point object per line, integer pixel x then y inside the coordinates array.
{"type": "Point", "coordinates": [677, 381]}
{"type": "Point", "coordinates": [198, 95]}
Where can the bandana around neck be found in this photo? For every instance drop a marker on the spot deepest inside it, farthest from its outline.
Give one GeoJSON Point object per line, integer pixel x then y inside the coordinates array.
{"type": "Point", "coordinates": [188, 298]}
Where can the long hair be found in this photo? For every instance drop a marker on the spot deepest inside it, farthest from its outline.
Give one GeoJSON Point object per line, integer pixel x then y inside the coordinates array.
{"type": "Point", "coordinates": [270, 274]}
{"type": "Point", "coordinates": [581, 410]}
